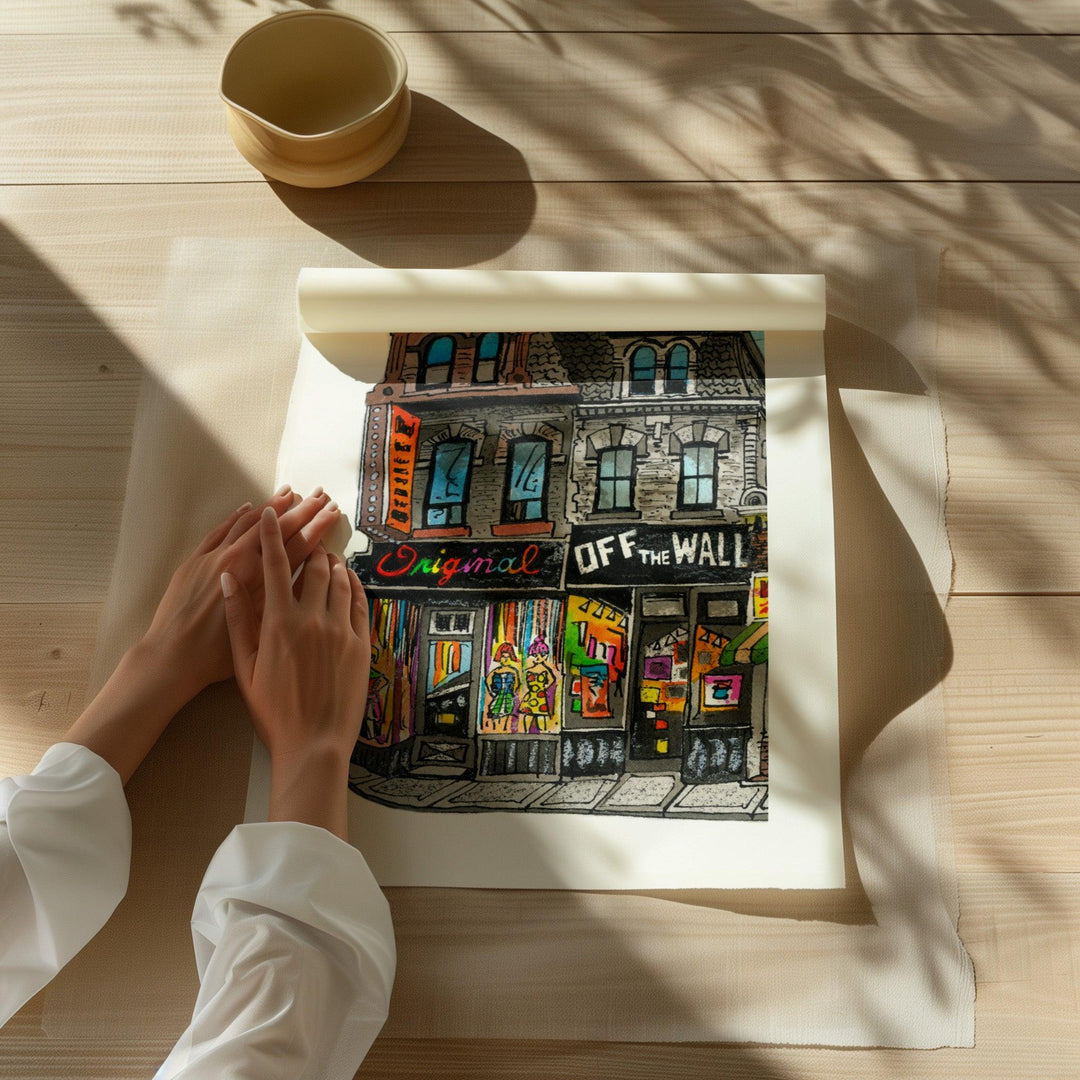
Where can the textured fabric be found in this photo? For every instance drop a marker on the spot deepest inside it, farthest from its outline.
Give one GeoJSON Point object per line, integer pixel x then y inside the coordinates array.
{"type": "Point", "coordinates": [878, 963]}
{"type": "Point", "coordinates": [65, 847]}
{"type": "Point", "coordinates": [295, 953]}
{"type": "Point", "coordinates": [293, 941]}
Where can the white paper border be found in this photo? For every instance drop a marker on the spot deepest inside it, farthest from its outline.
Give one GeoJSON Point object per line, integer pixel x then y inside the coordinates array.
{"type": "Point", "coordinates": [799, 846]}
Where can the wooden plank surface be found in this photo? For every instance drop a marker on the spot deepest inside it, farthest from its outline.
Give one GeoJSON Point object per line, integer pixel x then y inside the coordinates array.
{"type": "Point", "coordinates": [193, 22]}
{"type": "Point", "coordinates": [1021, 929]}
{"type": "Point", "coordinates": [582, 107]}
{"type": "Point", "coordinates": [85, 298]}
{"type": "Point", "coordinates": [761, 100]}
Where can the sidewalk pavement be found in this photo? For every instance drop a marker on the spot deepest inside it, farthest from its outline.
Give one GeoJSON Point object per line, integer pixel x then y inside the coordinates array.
{"type": "Point", "coordinates": [647, 795]}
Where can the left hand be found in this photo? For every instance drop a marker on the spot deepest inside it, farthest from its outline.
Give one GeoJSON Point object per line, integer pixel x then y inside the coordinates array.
{"type": "Point", "coordinates": [189, 625]}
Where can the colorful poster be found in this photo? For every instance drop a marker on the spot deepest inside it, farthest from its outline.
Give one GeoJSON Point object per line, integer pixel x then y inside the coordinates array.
{"type": "Point", "coordinates": [571, 530]}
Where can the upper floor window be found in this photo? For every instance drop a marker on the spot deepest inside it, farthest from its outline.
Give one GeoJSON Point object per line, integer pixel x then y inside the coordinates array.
{"type": "Point", "coordinates": [448, 486]}
{"type": "Point", "coordinates": [488, 347]}
{"type": "Point", "coordinates": [526, 480]}
{"type": "Point", "coordinates": [643, 370]}
{"type": "Point", "coordinates": [678, 369]}
{"type": "Point", "coordinates": [697, 476]}
{"type": "Point", "coordinates": [615, 479]}
{"type": "Point", "coordinates": [437, 361]}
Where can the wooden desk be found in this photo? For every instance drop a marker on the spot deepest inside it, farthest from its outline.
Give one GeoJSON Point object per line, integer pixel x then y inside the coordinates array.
{"type": "Point", "coordinates": [549, 133]}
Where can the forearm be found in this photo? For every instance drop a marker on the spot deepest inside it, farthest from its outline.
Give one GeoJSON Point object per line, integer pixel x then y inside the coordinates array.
{"type": "Point", "coordinates": [311, 786]}
{"type": "Point", "coordinates": [132, 709]}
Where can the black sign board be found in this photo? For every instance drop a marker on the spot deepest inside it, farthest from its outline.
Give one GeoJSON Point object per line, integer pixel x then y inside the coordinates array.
{"type": "Point", "coordinates": [463, 564]}
{"type": "Point", "coordinates": [627, 554]}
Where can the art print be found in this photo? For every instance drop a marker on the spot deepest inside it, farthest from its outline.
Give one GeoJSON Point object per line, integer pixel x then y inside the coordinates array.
{"type": "Point", "coordinates": [567, 558]}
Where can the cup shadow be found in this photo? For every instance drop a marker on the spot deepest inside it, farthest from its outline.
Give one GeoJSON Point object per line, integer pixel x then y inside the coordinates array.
{"type": "Point", "coordinates": [464, 230]}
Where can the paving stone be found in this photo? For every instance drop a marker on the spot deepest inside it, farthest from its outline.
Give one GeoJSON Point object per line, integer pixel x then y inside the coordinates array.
{"type": "Point", "coordinates": [496, 793]}
{"type": "Point", "coordinates": [576, 793]}
{"type": "Point", "coordinates": [641, 791]}
{"type": "Point", "coordinates": [412, 790]}
{"type": "Point", "coordinates": [718, 796]}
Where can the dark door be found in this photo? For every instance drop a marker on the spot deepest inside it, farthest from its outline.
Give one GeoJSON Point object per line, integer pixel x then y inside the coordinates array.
{"type": "Point", "coordinates": [659, 691]}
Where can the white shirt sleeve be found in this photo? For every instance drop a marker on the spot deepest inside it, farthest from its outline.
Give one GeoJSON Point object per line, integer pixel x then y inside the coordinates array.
{"type": "Point", "coordinates": [65, 850]}
{"type": "Point", "coordinates": [295, 952]}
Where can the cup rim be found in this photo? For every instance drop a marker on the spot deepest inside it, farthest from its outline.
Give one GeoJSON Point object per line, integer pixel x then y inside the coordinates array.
{"type": "Point", "coordinates": [380, 35]}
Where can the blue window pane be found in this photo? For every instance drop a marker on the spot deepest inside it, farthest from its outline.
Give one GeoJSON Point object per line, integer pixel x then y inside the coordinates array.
{"type": "Point", "coordinates": [697, 481]}
{"type": "Point", "coordinates": [615, 479]}
{"type": "Point", "coordinates": [678, 363]}
{"type": "Point", "coordinates": [448, 483]}
{"type": "Point", "coordinates": [527, 479]}
{"type": "Point", "coordinates": [643, 370]}
{"type": "Point", "coordinates": [438, 359]}
{"type": "Point", "coordinates": [488, 347]}
{"type": "Point", "coordinates": [440, 351]}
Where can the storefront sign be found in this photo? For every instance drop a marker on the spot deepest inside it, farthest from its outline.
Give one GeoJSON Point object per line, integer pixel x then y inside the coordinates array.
{"type": "Point", "coordinates": [400, 463]}
{"type": "Point", "coordinates": [658, 555]}
{"type": "Point", "coordinates": [463, 564]}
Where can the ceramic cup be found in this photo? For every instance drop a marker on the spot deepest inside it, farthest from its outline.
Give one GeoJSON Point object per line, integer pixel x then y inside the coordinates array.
{"type": "Point", "coordinates": [316, 98]}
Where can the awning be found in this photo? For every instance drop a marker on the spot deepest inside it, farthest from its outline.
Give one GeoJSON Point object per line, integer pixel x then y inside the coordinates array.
{"type": "Point", "coordinates": [749, 647]}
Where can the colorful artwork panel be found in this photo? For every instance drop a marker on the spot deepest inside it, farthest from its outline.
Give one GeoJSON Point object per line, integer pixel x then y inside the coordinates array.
{"type": "Point", "coordinates": [523, 681]}
{"type": "Point", "coordinates": [720, 691]}
{"type": "Point", "coordinates": [566, 546]}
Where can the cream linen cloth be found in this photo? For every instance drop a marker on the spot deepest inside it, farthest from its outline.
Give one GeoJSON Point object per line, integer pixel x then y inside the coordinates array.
{"type": "Point", "coordinates": [876, 964]}
{"type": "Point", "coordinates": [293, 941]}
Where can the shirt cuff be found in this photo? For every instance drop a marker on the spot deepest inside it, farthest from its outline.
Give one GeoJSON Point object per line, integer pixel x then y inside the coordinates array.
{"type": "Point", "coordinates": [305, 873]}
{"type": "Point", "coordinates": [66, 835]}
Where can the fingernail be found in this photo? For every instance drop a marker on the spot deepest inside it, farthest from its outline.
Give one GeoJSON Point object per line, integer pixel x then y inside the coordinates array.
{"type": "Point", "coordinates": [283, 490]}
{"type": "Point", "coordinates": [268, 514]}
{"type": "Point", "coordinates": [228, 585]}
{"type": "Point", "coordinates": [317, 492]}
{"type": "Point", "coordinates": [242, 509]}
{"type": "Point", "coordinates": [331, 507]}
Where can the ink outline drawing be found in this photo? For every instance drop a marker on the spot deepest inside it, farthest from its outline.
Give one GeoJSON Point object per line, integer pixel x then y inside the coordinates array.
{"type": "Point", "coordinates": [567, 558]}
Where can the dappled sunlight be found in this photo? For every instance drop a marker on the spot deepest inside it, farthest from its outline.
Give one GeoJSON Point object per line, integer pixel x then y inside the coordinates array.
{"type": "Point", "coordinates": [851, 139]}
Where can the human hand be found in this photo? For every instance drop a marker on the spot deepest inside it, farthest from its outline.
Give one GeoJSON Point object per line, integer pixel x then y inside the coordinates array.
{"type": "Point", "coordinates": [188, 630]}
{"type": "Point", "coordinates": [303, 671]}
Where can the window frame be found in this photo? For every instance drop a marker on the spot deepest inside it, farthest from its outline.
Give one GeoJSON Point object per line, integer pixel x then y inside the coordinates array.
{"type": "Point", "coordinates": [425, 361]}
{"type": "Point", "coordinates": [467, 444]}
{"type": "Point", "coordinates": [615, 479]}
{"type": "Point", "coordinates": [698, 476]}
{"type": "Point", "coordinates": [684, 383]}
{"type": "Point", "coordinates": [493, 359]}
{"type": "Point", "coordinates": [635, 385]}
{"type": "Point", "coordinates": [511, 449]}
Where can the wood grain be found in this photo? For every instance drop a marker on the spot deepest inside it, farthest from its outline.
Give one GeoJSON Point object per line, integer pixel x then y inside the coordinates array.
{"type": "Point", "coordinates": [194, 22]}
{"type": "Point", "coordinates": [86, 295]}
{"type": "Point", "coordinates": [531, 120]}
{"type": "Point", "coordinates": [43, 669]}
{"type": "Point", "coordinates": [1012, 697]}
{"type": "Point", "coordinates": [582, 107]}
{"type": "Point", "coordinates": [1021, 929]}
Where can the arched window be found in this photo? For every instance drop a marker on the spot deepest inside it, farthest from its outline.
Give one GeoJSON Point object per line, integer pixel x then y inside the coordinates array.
{"type": "Point", "coordinates": [678, 369]}
{"type": "Point", "coordinates": [485, 368]}
{"type": "Point", "coordinates": [448, 485]}
{"type": "Point", "coordinates": [643, 370]}
{"type": "Point", "coordinates": [615, 479]}
{"type": "Point", "coordinates": [697, 476]}
{"type": "Point", "coordinates": [525, 498]}
{"type": "Point", "coordinates": [437, 361]}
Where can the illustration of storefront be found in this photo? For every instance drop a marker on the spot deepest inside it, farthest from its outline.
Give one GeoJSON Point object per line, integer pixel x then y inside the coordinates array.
{"type": "Point", "coordinates": [568, 557]}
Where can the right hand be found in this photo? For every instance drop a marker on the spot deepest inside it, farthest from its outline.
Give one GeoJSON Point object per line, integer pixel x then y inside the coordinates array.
{"type": "Point", "coordinates": [303, 668]}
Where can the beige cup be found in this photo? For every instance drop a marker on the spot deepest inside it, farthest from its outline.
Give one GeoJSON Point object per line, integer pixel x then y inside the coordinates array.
{"type": "Point", "coordinates": [316, 98]}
